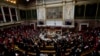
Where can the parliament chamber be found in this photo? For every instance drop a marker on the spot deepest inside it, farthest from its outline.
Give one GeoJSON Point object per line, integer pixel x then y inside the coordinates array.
{"type": "Point", "coordinates": [49, 27]}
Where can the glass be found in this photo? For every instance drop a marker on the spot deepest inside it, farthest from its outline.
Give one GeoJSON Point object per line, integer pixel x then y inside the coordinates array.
{"type": "Point", "coordinates": [34, 14]}
{"type": "Point", "coordinates": [14, 18]}
{"type": "Point", "coordinates": [7, 18]}
{"type": "Point", "coordinates": [6, 10]}
{"type": "Point", "coordinates": [23, 14]}
{"type": "Point", "coordinates": [79, 10]}
{"type": "Point", "coordinates": [91, 11]}
{"type": "Point", "coordinates": [13, 12]}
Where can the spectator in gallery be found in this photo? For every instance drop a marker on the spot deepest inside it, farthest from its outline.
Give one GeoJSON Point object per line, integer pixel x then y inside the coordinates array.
{"type": "Point", "coordinates": [50, 54]}
{"type": "Point", "coordinates": [41, 54]}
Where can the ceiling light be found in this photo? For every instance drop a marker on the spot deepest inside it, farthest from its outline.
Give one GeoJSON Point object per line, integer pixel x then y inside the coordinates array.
{"type": "Point", "coordinates": [11, 1]}
{"type": "Point", "coordinates": [27, 0]}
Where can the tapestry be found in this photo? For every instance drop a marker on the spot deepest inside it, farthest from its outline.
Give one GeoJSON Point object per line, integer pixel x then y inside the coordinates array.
{"type": "Point", "coordinates": [54, 12]}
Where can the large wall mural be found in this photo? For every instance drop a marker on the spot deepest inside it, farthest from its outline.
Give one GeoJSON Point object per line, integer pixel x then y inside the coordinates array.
{"type": "Point", "coordinates": [54, 12]}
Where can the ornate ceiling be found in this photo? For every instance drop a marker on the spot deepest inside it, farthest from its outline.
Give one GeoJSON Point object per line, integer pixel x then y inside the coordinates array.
{"type": "Point", "coordinates": [27, 2]}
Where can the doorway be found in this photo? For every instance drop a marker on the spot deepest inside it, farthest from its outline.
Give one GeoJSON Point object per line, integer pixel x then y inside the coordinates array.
{"type": "Point", "coordinates": [83, 26]}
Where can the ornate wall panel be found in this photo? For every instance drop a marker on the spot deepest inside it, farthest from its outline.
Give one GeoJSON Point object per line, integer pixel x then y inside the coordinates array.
{"type": "Point", "coordinates": [60, 14]}
{"type": "Point", "coordinates": [41, 13]}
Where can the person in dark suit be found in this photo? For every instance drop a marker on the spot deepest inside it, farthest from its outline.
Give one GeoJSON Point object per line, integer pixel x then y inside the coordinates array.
{"type": "Point", "coordinates": [58, 50]}
{"type": "Point", "coordinates": [37, 50]}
